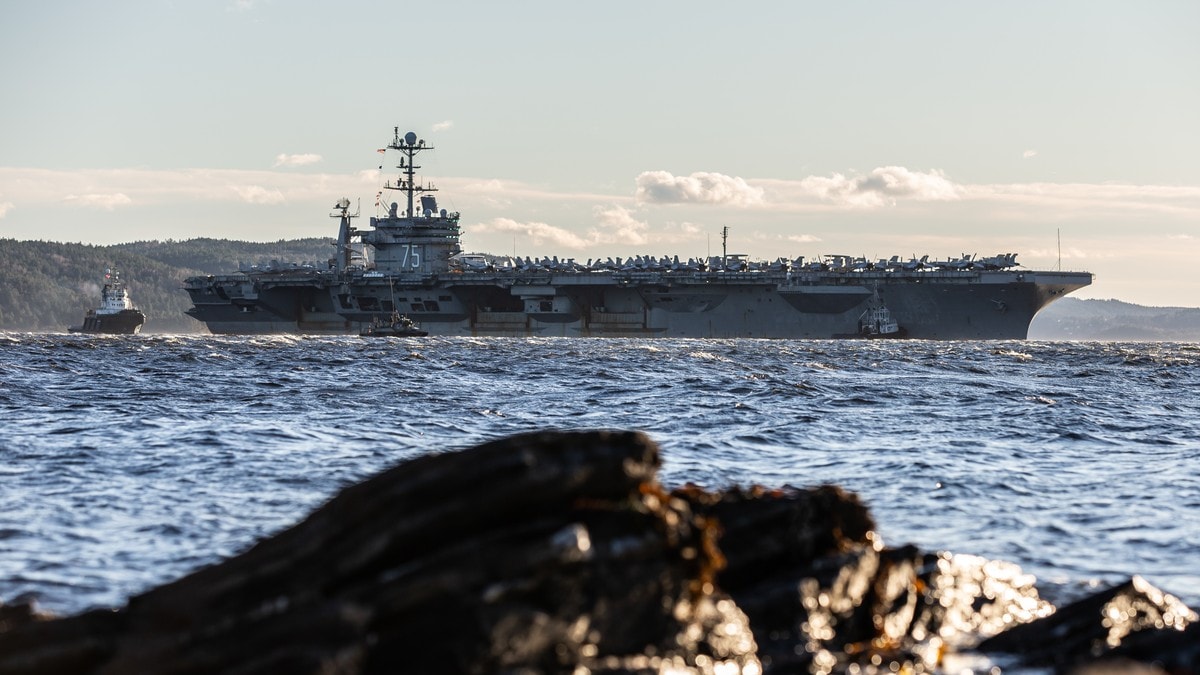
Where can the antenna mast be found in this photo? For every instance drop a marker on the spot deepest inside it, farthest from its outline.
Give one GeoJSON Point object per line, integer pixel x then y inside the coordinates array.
{"type": "Point", "coordinates": [724, 248]}
{"type": "Point", "coordinates": [409, 146]}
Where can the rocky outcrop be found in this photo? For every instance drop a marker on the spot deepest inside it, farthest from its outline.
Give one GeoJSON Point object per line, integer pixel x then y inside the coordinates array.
{"type": "Point", "coordinates": [560, 553]}
{"type": "Point", "coordinates": [1131, 622]}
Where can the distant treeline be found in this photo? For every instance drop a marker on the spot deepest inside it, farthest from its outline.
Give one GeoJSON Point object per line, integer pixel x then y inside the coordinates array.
{"type": "Point", "coordinates": [1114, 320]}
{"type": "Point", "coordinates": [48, 286]}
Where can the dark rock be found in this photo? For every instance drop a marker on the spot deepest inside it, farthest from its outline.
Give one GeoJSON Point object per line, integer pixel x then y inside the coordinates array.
{"type": "Point", "coordinates": [19, 612]}
{"type": "Point", "coordinates": [1133, 621]}
{"type": "Point", "coordinates": [822, 592]}
{"type": "Point", "coordinates": [767, 531]}
{"type": "Point", "coordinates": [1171, 649]}
{"type": "Point", "coordinates": [541, 552]}
{"type": "Point", "coordinates": [560, 553]}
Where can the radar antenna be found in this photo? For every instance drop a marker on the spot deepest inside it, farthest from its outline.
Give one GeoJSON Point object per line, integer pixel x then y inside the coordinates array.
{"type": "Point", "coordinates": [345, 252]}
{"type": "Point", "coordinates": [409, 145]}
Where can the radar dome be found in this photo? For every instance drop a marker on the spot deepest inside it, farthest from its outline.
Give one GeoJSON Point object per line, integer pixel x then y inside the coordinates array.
{"type": "Point", "coordinates": [410, 138]}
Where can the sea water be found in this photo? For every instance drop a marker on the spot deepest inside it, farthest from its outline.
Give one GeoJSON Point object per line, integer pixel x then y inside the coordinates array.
{"type": "Point", "coordinates": [126, 462]}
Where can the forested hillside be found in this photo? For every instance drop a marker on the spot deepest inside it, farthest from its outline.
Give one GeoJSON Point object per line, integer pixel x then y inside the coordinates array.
{"type": "Point", "coordinates": [1114, 320]}
{"type": "Point", "coordinates": [48, 286]}
{"type": "Point", "coordinates": [220, 256]}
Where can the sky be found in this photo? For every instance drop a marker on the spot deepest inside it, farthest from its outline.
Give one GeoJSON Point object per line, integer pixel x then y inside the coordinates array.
{"type": "Point", "coordinates": [1067, 132]}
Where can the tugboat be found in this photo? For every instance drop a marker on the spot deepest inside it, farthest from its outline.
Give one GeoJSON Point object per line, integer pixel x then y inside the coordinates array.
{"type": "Point", "coordinates": [397, 326]}
{"type": "Point", "coordinates": [116, 314]}
{"type": "Point", "coordinates": [876, 323]}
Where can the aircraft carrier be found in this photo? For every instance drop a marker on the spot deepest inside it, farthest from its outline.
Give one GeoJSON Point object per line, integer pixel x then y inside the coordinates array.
{"type": "Point", "coordinates": [410, 262]}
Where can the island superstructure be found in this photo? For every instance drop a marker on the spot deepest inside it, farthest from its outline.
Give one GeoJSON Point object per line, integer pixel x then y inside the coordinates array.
{"type": "Point", "coordinates": [410, 261]}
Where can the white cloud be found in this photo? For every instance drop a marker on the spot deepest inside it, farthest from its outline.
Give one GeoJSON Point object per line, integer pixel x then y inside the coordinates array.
{"type": "Point", "coordinates": [442, 126]}
{"type": "Point", "coordinates": [493, 193]}
{"type": "Point", "coordinates": [539, 233]}
{"type": "Point", "coordinates": [803, 238]}
{"type": "Point", "coordinates": [5, 207]}
{"type": "Point", "coordinates": [1029, 153]}
{"type": "Point", "coordinates": [618, 226]}
{"type": "Point", "coordinates": [702, 187]}
{"type": "Point", "coordinates": [892, 186]}
{"type": "Point", "coordinates": [296, 160]}
{"type": "Point", "coordinates": [614, 225]}
{"type": "Point", "coordinates": [257, 194]}
{"type": "Point", "coordinates": [881, 187]}
{"type": "Point", "coordinates": [107, 202]}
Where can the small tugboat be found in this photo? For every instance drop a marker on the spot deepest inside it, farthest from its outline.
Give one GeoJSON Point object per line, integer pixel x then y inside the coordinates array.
{"type": "Point", "coordinates": [116, 314]}
{"type": "Point", "coordinates": [397, 326]}
{"type": "Point", "coordinates": [876, 323]}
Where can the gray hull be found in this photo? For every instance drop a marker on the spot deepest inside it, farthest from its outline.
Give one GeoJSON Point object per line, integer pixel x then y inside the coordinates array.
{"type": "Point", "coordinates": [943, 305]}
{"type": "Point", "coordinates": [127, 322]}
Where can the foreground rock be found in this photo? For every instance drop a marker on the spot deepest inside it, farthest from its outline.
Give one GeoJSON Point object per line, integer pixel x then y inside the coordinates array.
{"type": "Point", "coordinates": [560, 553]}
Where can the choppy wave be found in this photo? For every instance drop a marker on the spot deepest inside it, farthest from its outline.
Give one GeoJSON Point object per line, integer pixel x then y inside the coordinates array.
{"type": "Point", "coordinates": [128, 461]}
